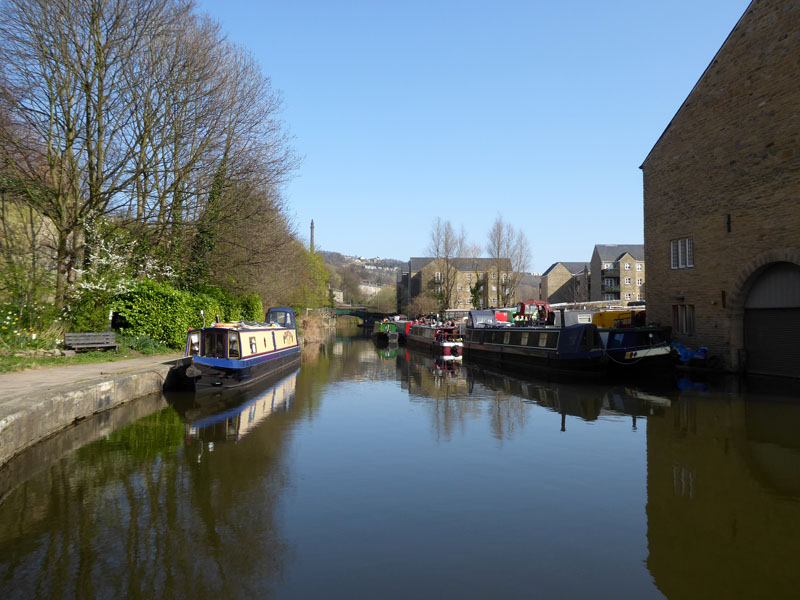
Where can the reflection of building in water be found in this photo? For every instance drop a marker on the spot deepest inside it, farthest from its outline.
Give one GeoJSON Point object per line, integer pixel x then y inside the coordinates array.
{"type": "Point", "coordinates": [723, 507]}
{"type": "Point", "coordinates": [236, 422]}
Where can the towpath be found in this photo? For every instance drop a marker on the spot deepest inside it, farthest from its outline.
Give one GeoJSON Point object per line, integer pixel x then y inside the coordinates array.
{"type": "Point", "coordinates": [37, 403]}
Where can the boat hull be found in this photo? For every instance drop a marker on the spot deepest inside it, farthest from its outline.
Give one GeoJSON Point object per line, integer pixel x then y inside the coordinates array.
{"type": "Point", "coordinates": [445, 349]}
{"type": "Point", "coordinates": [533, 361]}
{"type": "Point", "coordinates": [207, 374]}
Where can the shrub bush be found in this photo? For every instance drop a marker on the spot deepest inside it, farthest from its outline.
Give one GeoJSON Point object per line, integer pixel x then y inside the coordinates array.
{"type": "Point", "coordinates": [164, 314]}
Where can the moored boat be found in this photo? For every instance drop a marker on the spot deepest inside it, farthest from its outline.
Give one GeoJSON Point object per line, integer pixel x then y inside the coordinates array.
{"type": "Point", "coordinates": [569, 349]}
{"type": "Point", "coordinates": [385, 332]}
{"type": "Point", "coordinates": [444, 340]}
{"type": "Point", "coordinates": [229, 355]}
{"type": "Point", "coordinates": [633, 350]}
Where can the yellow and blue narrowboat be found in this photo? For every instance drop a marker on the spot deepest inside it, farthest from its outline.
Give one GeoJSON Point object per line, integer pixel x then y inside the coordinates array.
{"type": "Point", "coordinates": [229, 355]}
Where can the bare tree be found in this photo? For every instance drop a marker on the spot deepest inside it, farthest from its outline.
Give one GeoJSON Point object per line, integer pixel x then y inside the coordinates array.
{"type": "Point", "coordinates": [136, 109]}
{"type": "Point", "coordinates": [510, 253]}
{"type": "Point", "coordinates": [64, 83]}
{"type": "Point", "coordinates": [446, 246]}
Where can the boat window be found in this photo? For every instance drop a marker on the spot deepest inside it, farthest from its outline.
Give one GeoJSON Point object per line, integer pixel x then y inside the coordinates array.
{"type": "Point", "coordinates": [506, 337]}
{"type": "Point", "coordinates": [194, 344]}
{"type": "Point", "coordinates": [523, 341]}
{"type": "Point", "coordinates": [213, 343]}
{"type": "Point", "coordinates": [233, 344]}
{"type": "Point", "coordinates": [253, 345]}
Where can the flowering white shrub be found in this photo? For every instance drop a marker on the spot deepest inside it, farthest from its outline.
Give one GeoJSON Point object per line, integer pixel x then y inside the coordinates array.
{"type": "Point", "coordinates": [114, 264]}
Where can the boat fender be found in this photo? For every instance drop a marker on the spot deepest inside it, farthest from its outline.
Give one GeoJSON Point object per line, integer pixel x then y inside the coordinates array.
{"type": "Point", "coordinates": [455, 350]}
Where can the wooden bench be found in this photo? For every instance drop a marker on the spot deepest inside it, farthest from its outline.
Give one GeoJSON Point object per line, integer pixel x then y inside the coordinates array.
{"type": "Point", "coordinates": [87, 341]}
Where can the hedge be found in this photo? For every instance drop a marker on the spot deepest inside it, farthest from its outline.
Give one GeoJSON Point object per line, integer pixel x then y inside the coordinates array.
{"type": "Point", "coordinates": [165, 314]}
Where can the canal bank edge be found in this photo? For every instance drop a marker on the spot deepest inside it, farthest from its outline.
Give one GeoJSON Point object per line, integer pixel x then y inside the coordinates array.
{"type": "Point", "coordinates": [28, 418]}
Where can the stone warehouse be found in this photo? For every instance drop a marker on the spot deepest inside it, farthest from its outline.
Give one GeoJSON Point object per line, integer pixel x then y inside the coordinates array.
{"type": "Point", "coordinates": [722, 201]}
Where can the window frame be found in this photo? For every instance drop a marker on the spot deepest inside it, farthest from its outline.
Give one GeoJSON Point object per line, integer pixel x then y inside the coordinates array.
{"type": "Point", "coordinates": [681, 253]}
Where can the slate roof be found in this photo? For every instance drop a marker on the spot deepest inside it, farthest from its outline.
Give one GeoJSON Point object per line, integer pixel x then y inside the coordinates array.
{"type": "Point", "coordinates": [613, 252]}
{"type": "Point", "coordinates": [572, 267]}
{"type": "Point", "coordinates": [462, 264]}
{"type": "Point", "coordinates": [530, 279]}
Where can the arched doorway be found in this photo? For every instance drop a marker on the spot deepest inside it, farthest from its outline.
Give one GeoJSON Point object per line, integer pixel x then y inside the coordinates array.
{"type": "Point", "coordinates": [772, 322]}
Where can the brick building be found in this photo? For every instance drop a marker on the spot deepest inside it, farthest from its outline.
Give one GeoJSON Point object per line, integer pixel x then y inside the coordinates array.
{"type": "Point", "coordinates": [617, 272]}
{"type": "Point", "coordinates": [722, 201]}
{"type": "Point", "coordinates": [566, 282]}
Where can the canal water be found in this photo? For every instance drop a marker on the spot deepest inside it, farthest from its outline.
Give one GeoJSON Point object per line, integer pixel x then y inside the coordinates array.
{"type": "Point", "coordinates": [380, 473]}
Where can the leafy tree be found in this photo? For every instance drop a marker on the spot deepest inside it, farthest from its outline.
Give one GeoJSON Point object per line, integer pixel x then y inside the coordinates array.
{"type": "Point", "coordinates": [385, 300]}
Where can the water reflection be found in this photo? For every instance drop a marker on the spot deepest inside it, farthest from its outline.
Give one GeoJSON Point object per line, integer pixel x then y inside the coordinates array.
{"type": "Point", "coordinates": [229, 416]}
{"type": "Point", "coordinates": [440, 479]}
{"type": "Point", "coordinates": [723, 493]}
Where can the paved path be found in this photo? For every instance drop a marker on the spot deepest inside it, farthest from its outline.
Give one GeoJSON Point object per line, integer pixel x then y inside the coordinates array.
{"type": "Point", "coordinates": [37, 381]}
{"type": "Point", "coordinates": [38, 403]}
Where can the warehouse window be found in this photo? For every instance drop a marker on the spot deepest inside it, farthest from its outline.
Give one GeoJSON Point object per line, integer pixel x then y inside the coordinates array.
{"type": "Point", "coordinates": [683, 318]}
{"type": "Point", "coordinates": [682, 253]}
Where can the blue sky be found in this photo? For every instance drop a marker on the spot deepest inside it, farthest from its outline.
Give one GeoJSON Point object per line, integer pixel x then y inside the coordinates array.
{"type": "Point", "coordinates": [540, 112]}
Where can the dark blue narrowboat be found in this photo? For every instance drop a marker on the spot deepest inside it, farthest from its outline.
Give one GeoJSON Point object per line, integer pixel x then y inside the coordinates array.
{"type": "Point", "coordinates": [575, 350]}
{"type": "Point", "coordinates": [230, 355]}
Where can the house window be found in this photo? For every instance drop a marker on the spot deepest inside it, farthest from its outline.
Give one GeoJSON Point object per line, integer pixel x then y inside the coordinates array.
{"type": "Point", "coordinates": [469, 276]}
{"type": "Point", "coordinates": [627, 281]}
{"type": "Point", "coordinates": [460, 288]}
{"type": "Point", "coordinates": [494, 288]}
{"type": "Point", "coordinates": [627, 296]}
{"type": "Point", "coordinates": [503, 278]}
{"type": "Point", "coordinates": [494, 275]}
{"type": "Point", "coordinates": [608, 281]}
{"type": "Point", "coordinates": [639, 266]}
{"type": "Point", "coordinates": [627, 266]}
{"type": "Point", "coordinates": [609, 297]}
{"type": "Point", "coordinates": [639, 281]}
{"type": "Point", "coordinates": [460, 302]}
{"type": "Point", "coordinates": [683, 318]}
{"type": "Point", "coordinates": [438, 289]}
{"type": "Point", "coordinates": [638, 296]}
{"type": "Point", "coordinates": [682, 253]}
{"type": "Point", "coordinates": [437, 276]}
{"type": "Point", "coordinates": [608, 266]}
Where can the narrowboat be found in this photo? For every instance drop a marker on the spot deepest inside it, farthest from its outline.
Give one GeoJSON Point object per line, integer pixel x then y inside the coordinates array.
{"type": "Point", "coordinates": [441, 339]}
{"type": "Point", "coordinates": [385, 332]}
{"type": "Point", "coordinates": [568, 349]}
{"type": "Point", "coordinates": [402, 330]}
{"type": "Point", "coordinates": [230, 355]}
{"type": "Point", "coordinates": [633, 350]}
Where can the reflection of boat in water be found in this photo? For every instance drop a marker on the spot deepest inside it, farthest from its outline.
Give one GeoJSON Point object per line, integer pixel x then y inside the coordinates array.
{"type": "Point", "coordinates": [388, 352]}
{"type": "Point", "coordinates": [570, 399]}
{"type": "Point", "coordinates": [230, 415]}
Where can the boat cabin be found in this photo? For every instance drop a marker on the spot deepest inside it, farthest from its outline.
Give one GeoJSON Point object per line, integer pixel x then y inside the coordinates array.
{"type": "Point", "coordinates": [243, 339]}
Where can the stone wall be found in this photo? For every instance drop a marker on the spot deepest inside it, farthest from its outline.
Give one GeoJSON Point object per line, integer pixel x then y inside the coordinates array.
{"type": "Point", "coordinates": [726, 173]}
